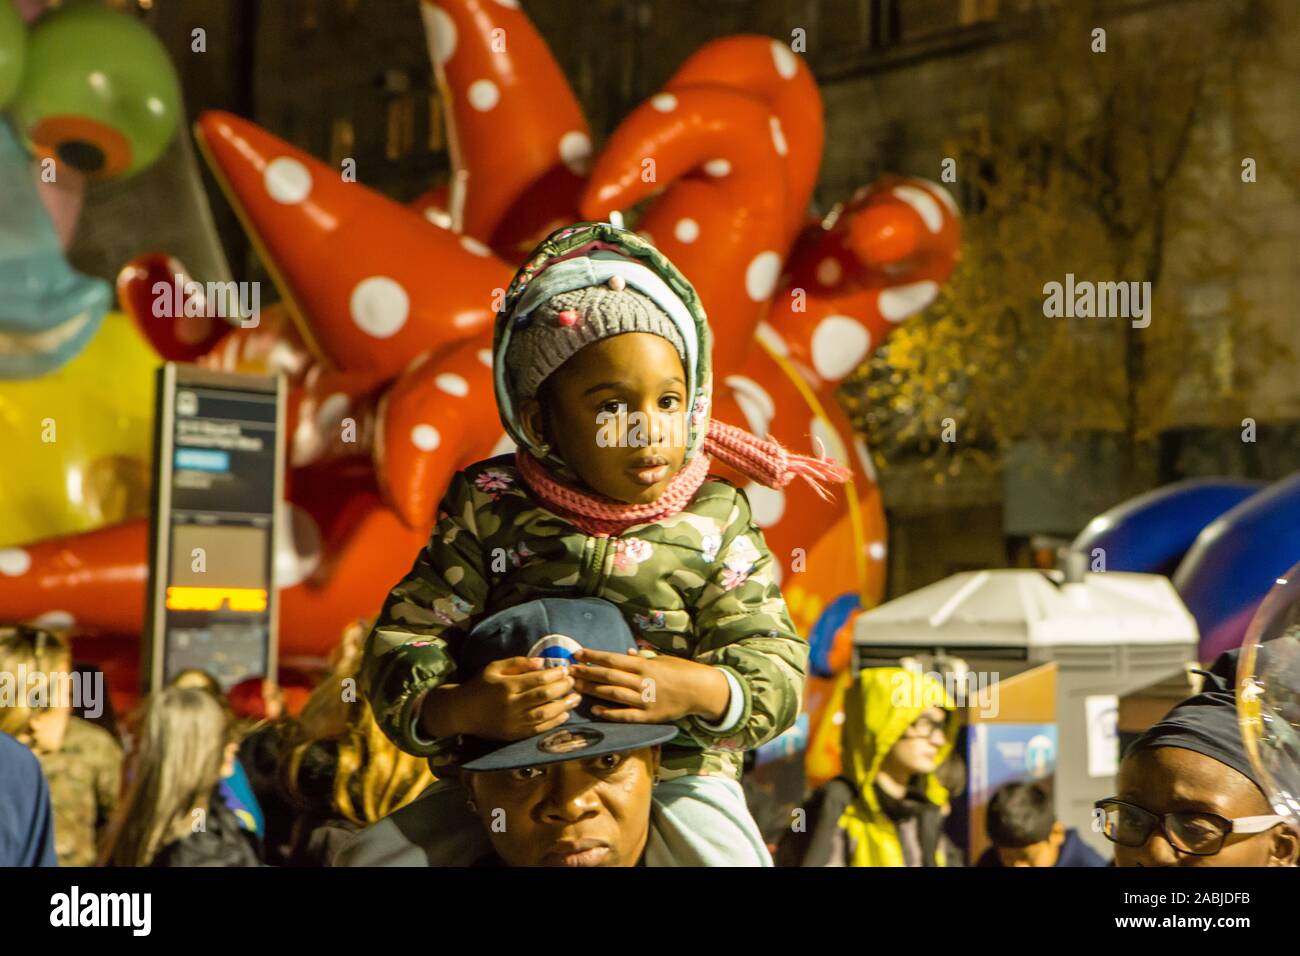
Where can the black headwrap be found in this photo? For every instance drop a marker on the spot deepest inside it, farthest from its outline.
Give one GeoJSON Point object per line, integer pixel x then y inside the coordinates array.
{"type": "Point", "coordinates": [1207, 722]}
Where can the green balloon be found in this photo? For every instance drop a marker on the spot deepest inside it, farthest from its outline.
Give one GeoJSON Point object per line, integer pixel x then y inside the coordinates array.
{"type": "Point", "coordinates": [98, 93]}
{"type": "Point", "coordinates": [12, 40]}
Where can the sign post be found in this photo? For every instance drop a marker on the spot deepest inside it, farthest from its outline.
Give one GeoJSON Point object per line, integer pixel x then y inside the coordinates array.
{"type": "Point", "coordinates": [217, 498]}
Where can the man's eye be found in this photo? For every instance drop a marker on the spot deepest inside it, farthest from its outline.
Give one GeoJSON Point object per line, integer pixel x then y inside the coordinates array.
{"type": "Point", "coordinates": [609, 761]}
{"type": "Point", "coordinates": [670, 402]}
{"type": "Point", "coordinates": [612, 407]}
{"type": "Point", "coordinates": [526, 773]}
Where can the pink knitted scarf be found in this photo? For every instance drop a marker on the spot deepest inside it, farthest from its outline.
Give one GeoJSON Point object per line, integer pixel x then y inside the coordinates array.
{"type": "Point", "coordinates": [766, 462]}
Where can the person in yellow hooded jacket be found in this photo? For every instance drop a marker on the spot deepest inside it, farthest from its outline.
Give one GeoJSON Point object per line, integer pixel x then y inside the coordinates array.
{"type": "Point", "coordinates": [888, 806]}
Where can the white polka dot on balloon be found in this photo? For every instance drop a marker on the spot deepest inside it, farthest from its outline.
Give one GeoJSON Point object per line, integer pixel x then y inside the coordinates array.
{"type": "Point", "coordinates": [755, 403]}
{"type": "Point", "coordinates": [664, 102]}
{"type": "Point", "coordinates": [54, 621]}
{"type": "Point", "coordinates": [898, 303]}
{"type": "Point", "coordinates": [784, 59]}
{"type": "Point", "coordinates": [767, 504]}
{"type": "Point", "coordinates": [440, 29]}
{"type": "Point", "coordinates": [877, 550]}
{"type": "Point", "coordinates": [718, 167]}
{"type": "Point", "coordinates": [425, 437]}
{"type": "Point", "coordinates": [485, 356]}
{"type": "Point", "coordinates": [286, 180]}
{"type": "Point", "coordinates": [829, 271]}
{"type": "Point", "coordinates": [509, 4]}
{"type": "Point", "coordinates": [439, 217]}
{"type": "Point", "coordinates": [331, 411]}
{"type": "Point", "coordinates": [839, 344]}
{"type": "Point", "coordinates": [297, 546]}
{"type": "Point", "coordinates": [307, 445]}
{"type": "Point", "coordinates": [575, 151]}
{"type": "Point", "coordinates": [14, 561]}
{"type": "Point", "coordinates": [761, 275]}
{"type": "Point", "coordinates": [686, 230]}
{"type": "Point", "coordinates": [945, 197]}
{"type": "Point", "coordinates": [778, 137]}
{"type": "Point", "coordinates": [923, 203]}
{"type": "Point", "coordinates": [472, 245]}
{"type": "Point", "coordinates": [379, 306]}
{"type": "Point", "coordinates": [864, 459]}
{"type": "Point", "coordinates": [483, 95]}
{"type": "Point", "coordinates": [831, 442]}
{"type": "Point", "coordinates": [771, 338]}
{"type": "Point", "coordinates": [452, 384]}
{"type": "Point", "coordinates": [505, 444]}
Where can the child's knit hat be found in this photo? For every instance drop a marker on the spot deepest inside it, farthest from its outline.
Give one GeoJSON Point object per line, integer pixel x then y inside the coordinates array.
{"type": "Point", "coordinates": [584, 283]}
{"type": "Point", "coordinates": [570, 321]}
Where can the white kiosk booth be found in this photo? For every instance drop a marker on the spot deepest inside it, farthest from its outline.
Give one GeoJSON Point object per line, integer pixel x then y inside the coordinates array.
{"type": "Point", "coordinates": [1109, 633]}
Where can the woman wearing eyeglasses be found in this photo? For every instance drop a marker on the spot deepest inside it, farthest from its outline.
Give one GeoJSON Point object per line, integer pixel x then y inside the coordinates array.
{"type": "Point", "coordinates": [1188, 795]}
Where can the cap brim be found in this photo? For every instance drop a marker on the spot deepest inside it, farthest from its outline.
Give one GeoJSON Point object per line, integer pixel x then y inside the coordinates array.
{"type": "Point", "coordinates": [554, 745]}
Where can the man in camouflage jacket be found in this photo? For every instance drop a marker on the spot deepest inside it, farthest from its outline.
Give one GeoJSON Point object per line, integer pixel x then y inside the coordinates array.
{"type": "Point", "coordinates": [85, 776]}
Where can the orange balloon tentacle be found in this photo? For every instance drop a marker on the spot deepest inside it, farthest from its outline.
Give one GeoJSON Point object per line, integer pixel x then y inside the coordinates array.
{"type": "Point", "coordinates": [773, 73]}
{"type": "Point", "coordinates": [881, 259]}
{"type": "Point", "coordinates": [438, 417]}
{"type": "Point", "coordinates": [513, 122]}
{"type": "Point", "coordinates": [355, 267]}
{"type": "Point", "coordinates": [711, 154]}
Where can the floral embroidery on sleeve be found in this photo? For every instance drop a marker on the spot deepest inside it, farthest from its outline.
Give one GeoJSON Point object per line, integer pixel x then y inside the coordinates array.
{"type": "Point", "coordinates": [740, 561]}
{"type": "Point", "coordinates": [451, 609]}
{"type": "Point", "coordinates": [654, 621]}
{"type": "Point", "coordinates": [629, 553]}
{"type": "Point", "coordinates": [493, 481]}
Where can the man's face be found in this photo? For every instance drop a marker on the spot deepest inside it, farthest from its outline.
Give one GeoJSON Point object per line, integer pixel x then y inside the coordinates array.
{"type": "Point", "coordinates": [617, 415]}
{"type": "Point", "coordinates": [47, 729]}
{"type": "Point", "coordinates": [1172, 779]}
{"type": "Point", "coordinates": [1043, 853]}
{"type": "Point", "coordinates": [585, 812]}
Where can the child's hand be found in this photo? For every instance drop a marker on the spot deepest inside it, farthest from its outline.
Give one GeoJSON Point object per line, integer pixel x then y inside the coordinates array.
{"type": "Point", "coordinates": [515, 698]}
{"type": "Point", "coordinates": [652, 690]}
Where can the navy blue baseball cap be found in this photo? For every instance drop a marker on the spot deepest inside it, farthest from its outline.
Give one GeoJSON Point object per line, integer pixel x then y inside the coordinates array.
{"type": "Point", "coordinates": [553, 629]}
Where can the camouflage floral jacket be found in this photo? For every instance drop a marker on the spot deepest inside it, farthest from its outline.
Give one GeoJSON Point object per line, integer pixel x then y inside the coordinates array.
{"type": "Point", "coordinates": [698, 584]}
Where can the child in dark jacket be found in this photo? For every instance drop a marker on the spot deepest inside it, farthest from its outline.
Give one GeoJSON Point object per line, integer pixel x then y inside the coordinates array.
{"type": "Point", "coordinates": [1025, 832]}
{"type": "Point", "coordinates": [601, 361]}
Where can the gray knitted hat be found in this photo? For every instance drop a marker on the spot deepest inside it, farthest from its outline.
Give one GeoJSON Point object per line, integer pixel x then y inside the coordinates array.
{"type": "Point", "coordinates": [569, 321]}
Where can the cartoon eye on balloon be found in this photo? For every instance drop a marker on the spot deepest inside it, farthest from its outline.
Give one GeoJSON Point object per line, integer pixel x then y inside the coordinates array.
{"type": "Point", "coordinates": [94, 91]}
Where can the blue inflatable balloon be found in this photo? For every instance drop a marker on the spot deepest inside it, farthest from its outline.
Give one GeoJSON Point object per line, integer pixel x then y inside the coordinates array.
{"type": "Point", "coordinates": [1236, 560]}
{"type": "Point", "coordinates": [48, 311]}
{"type": "Point", "coordinates": [1152, 532]}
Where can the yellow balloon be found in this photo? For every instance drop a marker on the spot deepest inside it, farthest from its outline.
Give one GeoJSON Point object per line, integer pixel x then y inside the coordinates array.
{"type": "Point", "coordinates": [78, 441]}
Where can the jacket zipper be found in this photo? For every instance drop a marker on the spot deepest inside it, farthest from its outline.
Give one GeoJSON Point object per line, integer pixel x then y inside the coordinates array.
{"type": "Point", "coordinates": [596, 549]}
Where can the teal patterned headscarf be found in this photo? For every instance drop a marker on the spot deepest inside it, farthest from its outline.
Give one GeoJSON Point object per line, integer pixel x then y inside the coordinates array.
{"type": "Point", "coordinates": [608, 247]}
